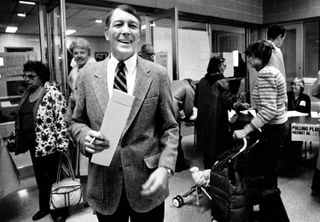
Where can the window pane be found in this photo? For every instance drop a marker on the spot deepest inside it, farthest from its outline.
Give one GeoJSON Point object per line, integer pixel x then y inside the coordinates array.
{"type": "Point", "coordinates": [311, 50]}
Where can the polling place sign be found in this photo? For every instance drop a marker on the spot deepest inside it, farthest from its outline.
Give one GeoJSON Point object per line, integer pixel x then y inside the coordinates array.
{"type": "Point", "coordinates": [305, 132]}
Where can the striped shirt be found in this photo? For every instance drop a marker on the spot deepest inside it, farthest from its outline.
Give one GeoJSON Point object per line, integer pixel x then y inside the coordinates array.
{"type": "Point", "coordinates": [270, 96]}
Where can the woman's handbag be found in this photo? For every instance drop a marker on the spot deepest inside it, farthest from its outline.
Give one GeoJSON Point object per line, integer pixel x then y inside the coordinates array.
{"type": "Point", "coordinates": [68, 191]}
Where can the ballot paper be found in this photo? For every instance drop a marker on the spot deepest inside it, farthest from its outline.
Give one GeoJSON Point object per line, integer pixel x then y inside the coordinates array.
{"type": "Point", "coordinates": [114, 121]}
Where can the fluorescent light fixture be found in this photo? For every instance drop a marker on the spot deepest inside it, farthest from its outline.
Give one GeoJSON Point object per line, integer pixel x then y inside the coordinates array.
{"type": "Point", "coordinates": [27, 3]}
{"type": "Point", "coordinates": [145, 26]}
{"type": "Point", "coordinates": [98, 20]}
{"type": "Point", "coordinates": [1, 61]}
{"type": "Point", "coordinates": [21, 14]}
{"type": "Point", "coordinates": [11, 29]}
{"type": "Point", "coordinates": [70, 31]}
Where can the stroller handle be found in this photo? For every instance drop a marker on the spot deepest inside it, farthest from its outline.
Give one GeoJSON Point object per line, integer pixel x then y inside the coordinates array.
{"type": "Point", "coordinates": [243, 148]}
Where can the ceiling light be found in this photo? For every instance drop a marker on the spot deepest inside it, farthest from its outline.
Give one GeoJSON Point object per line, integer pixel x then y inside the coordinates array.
{"type": "Point", "coordinates": [11, 29]}
{"type": "Point", "coordinates": [21, 14]}
{"type": "Point", "coordinates": [70, 31]}
{"type": "Point", "coordinates": [98, 20]}
{"type": "Point", "coordinates": [27, 3]}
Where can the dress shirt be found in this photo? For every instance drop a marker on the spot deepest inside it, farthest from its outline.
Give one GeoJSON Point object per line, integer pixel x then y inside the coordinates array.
{"type": "Point", "coordinates": [130, 70]}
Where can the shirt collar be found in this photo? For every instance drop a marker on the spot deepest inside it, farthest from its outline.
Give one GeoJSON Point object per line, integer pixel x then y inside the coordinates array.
{"type": "Point", "coordinates": [130, 63]}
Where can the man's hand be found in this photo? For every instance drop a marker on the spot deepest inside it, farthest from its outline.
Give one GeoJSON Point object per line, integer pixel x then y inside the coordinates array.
{"type": "Point", "coordinates": [95, 142]}
{"type": "Point", "coordinates": [156, 187]}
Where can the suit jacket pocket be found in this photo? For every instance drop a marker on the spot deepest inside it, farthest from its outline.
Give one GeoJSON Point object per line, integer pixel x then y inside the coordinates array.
{"type": "Point", "coordinates": [152, 160]}
{"type": "Point", "coordinates": [95, 182]}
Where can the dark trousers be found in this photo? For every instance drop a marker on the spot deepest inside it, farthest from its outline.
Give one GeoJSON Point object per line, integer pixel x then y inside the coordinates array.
{"type": "Point", "coordinates": [124, 211]}
{"type": "Point", "coordinates": [45, 171]}
{"type": "Point", "coordinates": [263, 161]}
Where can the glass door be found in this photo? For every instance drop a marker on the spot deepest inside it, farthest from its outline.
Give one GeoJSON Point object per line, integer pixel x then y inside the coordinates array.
{"type": "Point", "coordinates": [162, 32]}
{"type": "Point", "coordinates": [56, 50]}
{"type": "Point", "coordinates": [293, 59]}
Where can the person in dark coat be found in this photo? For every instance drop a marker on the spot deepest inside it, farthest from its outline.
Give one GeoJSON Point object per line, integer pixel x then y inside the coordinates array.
{"type": "Point", "coordinates": [297, 100]}
{"type": "Point", "coordinates": [183, 92]}
{"type": "Point", "coordinates": [213, 99]}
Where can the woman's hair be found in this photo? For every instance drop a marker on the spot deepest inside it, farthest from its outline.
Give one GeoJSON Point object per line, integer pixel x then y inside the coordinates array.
{"type": "Point", "coordinates": [80, 43]}
{"type": "Point", "coordinates": [261, 49]}
{"type": "Point", "coordinates": [39, 68]}
{"type": "Point", "coordinates": [214, 64]}
{"type": "Point", "coordinates": [299, 82]}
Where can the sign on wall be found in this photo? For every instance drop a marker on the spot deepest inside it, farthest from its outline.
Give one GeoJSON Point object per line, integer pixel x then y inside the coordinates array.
{"type": "Point", "coordinates": [305, 132]}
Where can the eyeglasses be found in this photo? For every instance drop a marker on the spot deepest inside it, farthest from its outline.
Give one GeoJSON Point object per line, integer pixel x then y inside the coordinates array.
{"type": "Point", "coordinates": [150, 54]}
{"type": "Point", "coordinates": [29, 76]}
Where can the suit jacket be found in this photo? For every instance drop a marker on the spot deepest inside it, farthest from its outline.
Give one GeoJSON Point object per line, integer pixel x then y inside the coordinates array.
{"type": "Point", "coordinates": [149, 139]}
{"type": "Point", "coordinates": [183, 97]}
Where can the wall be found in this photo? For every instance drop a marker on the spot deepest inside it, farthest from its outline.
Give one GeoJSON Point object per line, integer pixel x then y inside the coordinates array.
{"type": "Point", "coordinates": [18, 40]}
{"type": "Point", "coordinates": [240, 10]}
{"type": "Point", "coordinates": [287, 10]}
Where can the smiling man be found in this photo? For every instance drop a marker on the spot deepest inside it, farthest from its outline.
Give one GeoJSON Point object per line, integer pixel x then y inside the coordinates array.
{"type": "Point", "coordinates": [135, 184]}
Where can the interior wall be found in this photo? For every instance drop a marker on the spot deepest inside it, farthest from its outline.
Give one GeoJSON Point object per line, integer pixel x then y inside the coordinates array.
{"type": "Point", "coordinates": [18, 40]}
{"type": "Point", "coordinates": [288, 10]}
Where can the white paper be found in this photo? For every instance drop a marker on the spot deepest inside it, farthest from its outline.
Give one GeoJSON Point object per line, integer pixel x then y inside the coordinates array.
{"type": "Point", "coordinates": [293, 113]}
{"type": "Point", "coordinates": [113, 123]}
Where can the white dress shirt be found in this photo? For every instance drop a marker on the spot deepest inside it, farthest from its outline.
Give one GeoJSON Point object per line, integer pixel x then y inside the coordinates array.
{"type": "Point", "coordinates": [130, 71]}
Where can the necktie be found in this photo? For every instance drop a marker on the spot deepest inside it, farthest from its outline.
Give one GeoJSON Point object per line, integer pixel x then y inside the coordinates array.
{"type": "Point", "coordinates": [120, 81]}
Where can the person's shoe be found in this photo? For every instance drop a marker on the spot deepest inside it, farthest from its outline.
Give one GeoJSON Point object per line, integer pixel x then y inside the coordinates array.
{"type": "Point", "coordinates": [60, 219]}
{"type": "Point", "coordinates": [40, 214]}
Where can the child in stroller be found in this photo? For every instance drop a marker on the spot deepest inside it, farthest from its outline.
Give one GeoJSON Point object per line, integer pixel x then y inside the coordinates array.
{"type": "Point", "coordinates": [224, 184]}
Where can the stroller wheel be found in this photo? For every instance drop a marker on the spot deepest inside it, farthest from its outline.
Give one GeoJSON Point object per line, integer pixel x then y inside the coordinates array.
{"type": "Point", "coordinates": [177, 201]}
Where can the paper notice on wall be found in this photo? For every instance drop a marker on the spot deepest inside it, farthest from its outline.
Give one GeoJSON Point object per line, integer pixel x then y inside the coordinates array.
{"type": "Point", "coordinates": [305, 132]}
{"type": "Point", "coordinates": [229, 71]}
{"type": "Point", "coordinates": [114, 121]}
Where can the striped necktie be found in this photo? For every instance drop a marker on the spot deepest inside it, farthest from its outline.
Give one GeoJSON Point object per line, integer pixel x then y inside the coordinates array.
{"type": "Point", "coordinates": [120, 81]}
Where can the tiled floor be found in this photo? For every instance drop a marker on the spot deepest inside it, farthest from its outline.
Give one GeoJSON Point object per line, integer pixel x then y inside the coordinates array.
{"type": "Point", "coordinates": [295, 185]}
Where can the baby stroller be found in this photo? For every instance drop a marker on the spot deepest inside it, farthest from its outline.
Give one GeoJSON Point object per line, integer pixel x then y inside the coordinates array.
{"type": "Point", "coordinates": [223, 184]}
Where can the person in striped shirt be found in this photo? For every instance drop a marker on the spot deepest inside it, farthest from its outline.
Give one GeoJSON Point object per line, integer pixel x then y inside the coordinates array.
{"type": "Point", "coordinates": [270, 96]}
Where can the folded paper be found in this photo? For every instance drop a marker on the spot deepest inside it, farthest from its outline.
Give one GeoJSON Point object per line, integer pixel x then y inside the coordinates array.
{"type": "Point", "coordinates": [114, 121]}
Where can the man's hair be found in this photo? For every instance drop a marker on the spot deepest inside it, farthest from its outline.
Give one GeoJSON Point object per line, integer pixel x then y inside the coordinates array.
{"type": "Point", "coordinates": [39, 68]}
{"type": "Point", "coordinates": [274, 31]}
{"type": "Point", "coordinates": [214, 64]}
{"type": "Point", "coordinates": [261, 49]}
{"type": "Point", "coordinates": [144, 46]}
{"type": "Point", "coordinates": [80, 43]}
{"type": "Point", "coordinates": [127, 8]}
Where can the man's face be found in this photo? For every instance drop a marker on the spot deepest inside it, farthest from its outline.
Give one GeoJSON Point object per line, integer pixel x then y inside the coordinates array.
{"type": "Point", "coordinates": [123, 34]}
{"type": "Point", "coordinates": [279, 41]}
{"type": "Point", "coordinates": [80, 56]}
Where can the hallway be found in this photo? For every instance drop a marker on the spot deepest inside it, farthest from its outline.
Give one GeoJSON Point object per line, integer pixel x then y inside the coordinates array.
{"type": "Point", "coordinates": [295, 186]}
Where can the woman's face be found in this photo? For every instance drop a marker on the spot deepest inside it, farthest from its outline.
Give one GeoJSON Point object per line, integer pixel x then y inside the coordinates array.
{"type": "Point", "coordinates": [80, 56]}
{"type": "Point", "coordinates": [254, 62]}
{"type": "Point", "coordinates": [296, 88]}
{"type": "Point", "coordinates": [32, 80]}
{"type": "Point", "coordinates": [222, 67]}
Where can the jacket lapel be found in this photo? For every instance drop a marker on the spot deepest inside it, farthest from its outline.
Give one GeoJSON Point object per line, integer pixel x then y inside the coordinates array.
{"type": "Point", "coordinates": [100, 85]}
{"type": "Point", "coordinates": [141, 87]}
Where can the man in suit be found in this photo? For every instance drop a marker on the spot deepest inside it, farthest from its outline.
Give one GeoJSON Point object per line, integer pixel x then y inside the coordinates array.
{"type": "Point", "coordinates": [135, 184]}
{"type": "Point", "coordinates": [147, 52]}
